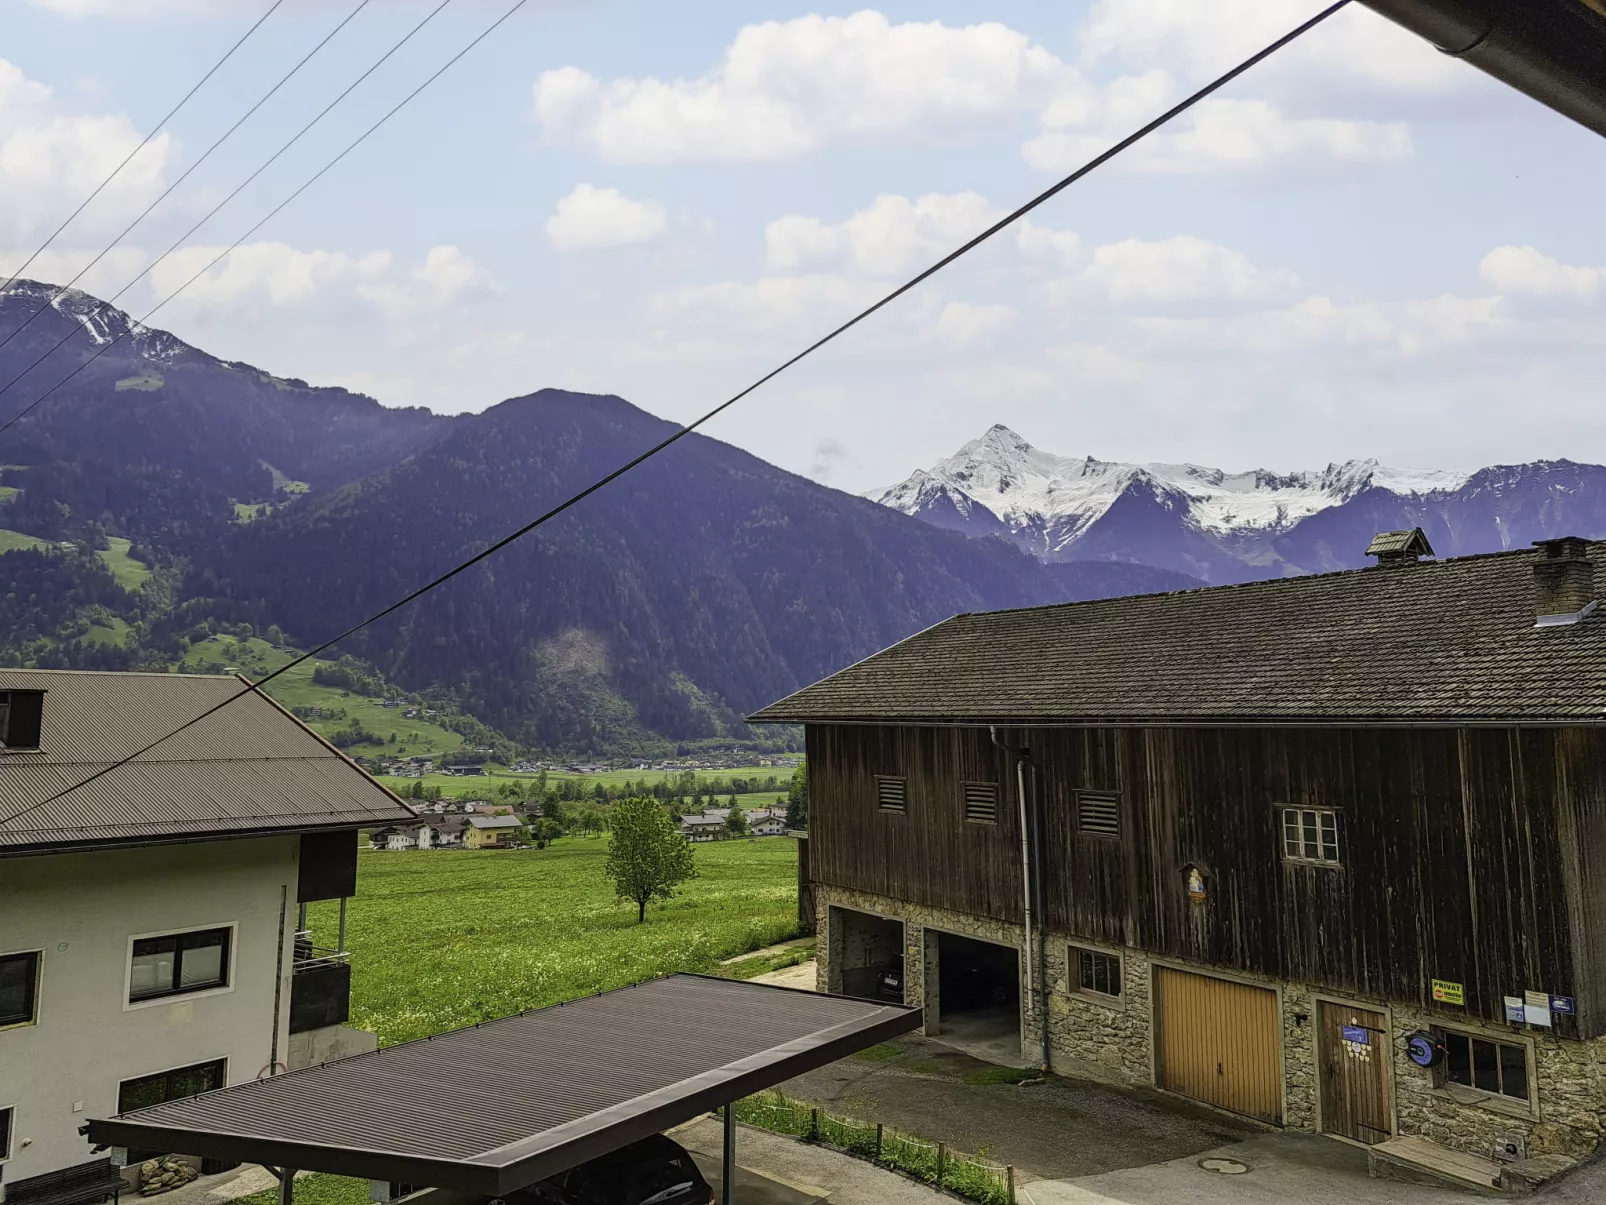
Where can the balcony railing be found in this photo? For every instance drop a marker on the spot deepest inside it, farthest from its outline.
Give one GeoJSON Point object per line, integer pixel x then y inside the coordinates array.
{"type": "Point", "coordinates": [320, 986]}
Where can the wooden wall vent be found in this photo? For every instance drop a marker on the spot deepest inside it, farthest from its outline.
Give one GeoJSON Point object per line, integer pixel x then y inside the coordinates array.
{"type": "Point", "coordinates": [1098, 813]}
{"type": "Point", "coordinates": [981, 802]}
{"type": "Point", "coordinates": [892, 794]}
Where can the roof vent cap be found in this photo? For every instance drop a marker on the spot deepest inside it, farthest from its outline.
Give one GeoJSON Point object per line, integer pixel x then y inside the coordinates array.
{"type": "Point", "coordinates": [1564, 581]}
{"type": "Point", "coordinates": [1399, 547]}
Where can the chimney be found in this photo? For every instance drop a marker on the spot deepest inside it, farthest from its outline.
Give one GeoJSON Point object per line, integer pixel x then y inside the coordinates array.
{"type": "Point", "coordinates": [1564, 581]}
{"type": "Point", "coordinates": [1392, 548]}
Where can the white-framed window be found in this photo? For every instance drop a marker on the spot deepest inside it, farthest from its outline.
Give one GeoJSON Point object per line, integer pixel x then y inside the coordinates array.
{"type": "Point", "coordinates": [1097, 972]}
{"type": "Point", "coordinates": [19, 988]}
{"type": "Point", "coordinates": [7, 1117]}
{"type": "Point", "coordinates": [180, 964]}
{"type": "Point", "coordinates": [1487, 1064]}
{"type": "Point", "coordinates": [1311, 835]}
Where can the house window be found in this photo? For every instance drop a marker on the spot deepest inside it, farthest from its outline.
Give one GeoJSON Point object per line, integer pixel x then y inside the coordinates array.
{"type": "Point", "coordinates": [1311, 835]}
{"type": "Point", "coordinates": [20, 715]}
{"type": "Point", "coordinates": [892, 794]}
{"type": "Point", "coordinates": [1098, 813]}
{"type": "Point", "coordinates": [179, 963]}
{"type": "Point", "coordinates": [1098, 972]}
{"type": "Point", "coordinates": [1498, 1068]}
{"type": "Point", "coordinates": [176, 1084]}
{"type": "Point", "coordinates": [5, 1133]}
{"type": "Point", "coordinates": [19, 987]}
{"type": "Point", "coordinates": [981, 802]}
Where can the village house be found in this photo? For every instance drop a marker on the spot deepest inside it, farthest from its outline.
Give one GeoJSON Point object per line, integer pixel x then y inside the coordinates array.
{"type": "Point", "coordinates": [703, 826]}
{"type": "Point", "coordinates": [1326, 851]}
{"type": "Point", "coordinates": [491, 832]}
{"type": "Point", "coordinates": [439, 832]}
{"type": "Point", "coordinates": [767, 822]}
{"type": "Point", "coordinates": [153, 937]}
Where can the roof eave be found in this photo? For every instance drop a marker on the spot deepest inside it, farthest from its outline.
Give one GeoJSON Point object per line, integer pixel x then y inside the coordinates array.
{"type": "Point", "coordinates": [153, 839]}
{"type": "Point", "coordinates": [1197, 721]}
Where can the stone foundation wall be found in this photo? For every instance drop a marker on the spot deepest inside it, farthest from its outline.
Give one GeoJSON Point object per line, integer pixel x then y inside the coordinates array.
{"type": "Point", "coordinates": [1570, 1077]}
{"type": "Point", "coordinates": [1112, 1040]}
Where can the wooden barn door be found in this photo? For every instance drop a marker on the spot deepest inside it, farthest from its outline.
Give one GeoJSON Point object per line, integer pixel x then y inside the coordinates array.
{"type": "Point", "coordinates": [1354, 1058]}
{"type": "Point", "coordinates": [1218, 1042]}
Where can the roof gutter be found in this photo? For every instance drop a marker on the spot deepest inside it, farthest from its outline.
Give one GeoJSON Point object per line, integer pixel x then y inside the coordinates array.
{"type": "Point", "coordinates": [1551, 50]}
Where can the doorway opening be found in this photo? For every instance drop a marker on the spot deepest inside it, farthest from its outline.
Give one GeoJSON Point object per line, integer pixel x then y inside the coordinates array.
{"type": "Point", "coordinates": [866, 955]}
{"type": "Point", "coordinates": [977, 1003]}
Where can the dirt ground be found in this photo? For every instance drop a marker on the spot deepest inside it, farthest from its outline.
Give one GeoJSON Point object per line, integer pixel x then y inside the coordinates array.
{"type": "Point", "coordinates": [1054, 1129]}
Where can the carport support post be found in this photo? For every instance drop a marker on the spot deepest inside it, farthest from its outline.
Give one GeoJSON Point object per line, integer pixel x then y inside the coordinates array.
{"type": "Point", "coordinates": [287, 1186]}
{"type": "Point", "coordinates": [727, 1175]}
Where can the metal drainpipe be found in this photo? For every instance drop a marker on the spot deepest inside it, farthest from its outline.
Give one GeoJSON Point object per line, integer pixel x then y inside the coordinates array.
{"type": "Point", "coordinates": [1027, 892]}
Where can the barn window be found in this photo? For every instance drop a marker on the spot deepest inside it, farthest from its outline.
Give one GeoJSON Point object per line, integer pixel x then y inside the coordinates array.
{"type": "Point", "coordinates": [892, 794]}
{"type": "Point", "coordinates": [981, 802]}
{"type": "Point", "coordinates": [1498, 1068]}
{"type": "Point", "coordinates": [1098, 972]}
{"type": "Point", "coordinates": [1311, 835]}
{"type": "Point", "coordinates": [1098, 813]}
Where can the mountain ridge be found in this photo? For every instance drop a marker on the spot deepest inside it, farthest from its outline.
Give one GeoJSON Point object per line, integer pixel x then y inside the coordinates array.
{"type": "Point", "coordinates": [1224, 526]}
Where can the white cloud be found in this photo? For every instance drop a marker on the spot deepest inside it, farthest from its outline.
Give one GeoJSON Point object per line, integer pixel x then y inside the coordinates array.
{"type": "Point", "coordinates": [1203, 40]}
{"type": "Point", "coordinates": [801, 305]}
{"type": "Point", "coordinates": [892, 235]}
{"type": "Point", "coordinates": [1529, 270]}
{"type": "Point", "coordinates": [280, 276]}
{"type": "Point", "coordinates": [1181, 268]}
{"type": "Point", "coordinates": [57, 266]}
{"type": "Point", "coordinates": [1410, 327]}
{"type": "Point", "coordinates": [784, 88]}
{"type": "Point", "coordinates": [1233, 134]}
{"type": "Point", "coordinates": [51, 159]}
{"type": "Point", "coordinates": [961, 324]}
{"type": "Point", "coordinates": [591, 217]}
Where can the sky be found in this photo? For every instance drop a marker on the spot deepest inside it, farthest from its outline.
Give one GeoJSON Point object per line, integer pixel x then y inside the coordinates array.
{"type": "Point", "coordinates": [1361, 248]}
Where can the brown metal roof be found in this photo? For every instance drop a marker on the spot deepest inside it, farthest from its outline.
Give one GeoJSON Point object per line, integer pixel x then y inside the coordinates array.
{"type": "Point", "coordinates": [1449, 641]}
{"type": "Point", "coordinates": [252, 767]}
{"type": "Point", "coordinates": [526, 1096]}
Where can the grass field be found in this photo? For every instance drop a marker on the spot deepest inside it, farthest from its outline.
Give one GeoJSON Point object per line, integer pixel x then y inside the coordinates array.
{"type": "Point", "coordinates": [446, 938]}
{"type": "Point", "coordinates": [10, 541]}
{"type": "Point", "coordinates": [256, 657]}
{"type": "Point", "coordinates": [130, 574]}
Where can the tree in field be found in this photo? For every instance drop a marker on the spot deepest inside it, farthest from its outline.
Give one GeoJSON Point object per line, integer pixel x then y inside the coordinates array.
{"type": "Point", "coordinates": [647, 856]}
{"type": "Point", "coordinates": [797, 799]}
{"type": "Point", "coordinates": [736, 823]}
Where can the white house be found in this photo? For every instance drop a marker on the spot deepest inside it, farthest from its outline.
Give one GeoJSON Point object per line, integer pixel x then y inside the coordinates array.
{"type": "Point", "coordinates": [151, 920]}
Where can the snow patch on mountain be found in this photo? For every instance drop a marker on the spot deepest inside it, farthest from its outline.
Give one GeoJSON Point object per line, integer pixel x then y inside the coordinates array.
{"type": "Point", "coordinates": [1054, 499]}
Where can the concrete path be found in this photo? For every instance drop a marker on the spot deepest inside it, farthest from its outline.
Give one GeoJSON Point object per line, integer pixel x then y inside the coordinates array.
{"type": "Point", "coordinates": [799, 976]}
{"type": "Point", "coordinates": [1284, 1169]}
{"type": "Point", "coordinates": [1054, 1130]}
{"type": "Point", "coordinates": [783, 1171]}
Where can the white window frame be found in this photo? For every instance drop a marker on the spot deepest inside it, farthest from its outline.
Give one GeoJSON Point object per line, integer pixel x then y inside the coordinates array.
{"type": "Point", "coordinates": [1303, 857]}
{"type": "Point", "coordinates": [179, 997]}
{"type": "Point", "coordinates": [1482, 1098]}
{"type": "Point", "coordinates": [38, 987]}
{"type": "Point", "coordinates": [1074, 952]}
{"type": "Point", "coordinates": [6, 1151]}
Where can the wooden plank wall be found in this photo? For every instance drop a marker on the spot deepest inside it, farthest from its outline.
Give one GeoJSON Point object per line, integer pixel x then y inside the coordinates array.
{"type": "Point", "coordinates": [1453, 853]}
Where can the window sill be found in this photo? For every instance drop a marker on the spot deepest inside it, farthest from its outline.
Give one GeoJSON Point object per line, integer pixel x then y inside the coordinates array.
{"type": "Point", "coordinates": [1479, 1099]}
{"type": "Point", "coordinates": [10, 1025]}
{"type": "Point", "coordinates": [177, 997]}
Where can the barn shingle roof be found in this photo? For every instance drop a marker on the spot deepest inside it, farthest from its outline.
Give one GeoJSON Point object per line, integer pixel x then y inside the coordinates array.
{"type": "Point", "coordinates": [1451, 640]}
{"type": "Point", "coordinates": [251, 767]}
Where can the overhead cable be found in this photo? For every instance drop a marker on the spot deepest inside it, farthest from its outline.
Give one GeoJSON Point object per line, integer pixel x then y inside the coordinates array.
{"type": "Point", "coordinates": [681, 432]}
{"type": "Point", "coordinates": [127, 159]}
{"type": "Point", "coordinates": [146, 212]}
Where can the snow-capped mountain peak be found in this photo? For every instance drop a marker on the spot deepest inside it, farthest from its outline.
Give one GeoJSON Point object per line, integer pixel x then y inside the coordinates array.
{"type": "Point", "coordinates": [1048, 501]}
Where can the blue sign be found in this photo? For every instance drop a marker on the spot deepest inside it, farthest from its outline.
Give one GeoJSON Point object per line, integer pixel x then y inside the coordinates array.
{"type": "Point", "coordinates": [1356, 1033]}
{"type": "Point", "coordinates": [1561, 1004]}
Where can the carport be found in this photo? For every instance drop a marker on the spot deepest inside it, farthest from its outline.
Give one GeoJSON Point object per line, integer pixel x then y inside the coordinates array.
{"type": "Point", "coordinates": [524, 1097]}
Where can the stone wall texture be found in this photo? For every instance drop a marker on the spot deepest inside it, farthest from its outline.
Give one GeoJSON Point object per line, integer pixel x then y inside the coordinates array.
{"type": "Point", "coordinates": [1107, 1039]}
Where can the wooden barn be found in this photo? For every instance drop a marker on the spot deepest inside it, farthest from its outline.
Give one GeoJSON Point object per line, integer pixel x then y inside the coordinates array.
{"type": "Point", "coordinates": [1327, 851]}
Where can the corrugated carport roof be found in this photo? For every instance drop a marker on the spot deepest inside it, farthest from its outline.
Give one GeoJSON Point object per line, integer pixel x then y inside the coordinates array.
{"type": "Point", "coordinates": [499, 1106]}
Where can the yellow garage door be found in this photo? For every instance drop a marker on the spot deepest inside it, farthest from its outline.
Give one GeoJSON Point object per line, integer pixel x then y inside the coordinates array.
{"type": "Point", "coordinates": [1218, 1043]}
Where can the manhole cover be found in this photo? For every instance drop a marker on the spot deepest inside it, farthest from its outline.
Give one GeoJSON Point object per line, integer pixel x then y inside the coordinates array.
{"type": "Point", "coordinates": [1227, 1167]}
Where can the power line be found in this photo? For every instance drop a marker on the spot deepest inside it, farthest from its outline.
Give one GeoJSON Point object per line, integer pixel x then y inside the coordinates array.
{"type": "Point", "coordinates": [205, 155]}
{"type": "Point", "coordinates": [155, 130]}
{"type": "Point", "coordinates": [361, 4]}
{"type": "Point", "coordinates": [680, 433]}
{"type": "Point", "coordinates": [104, 305]}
